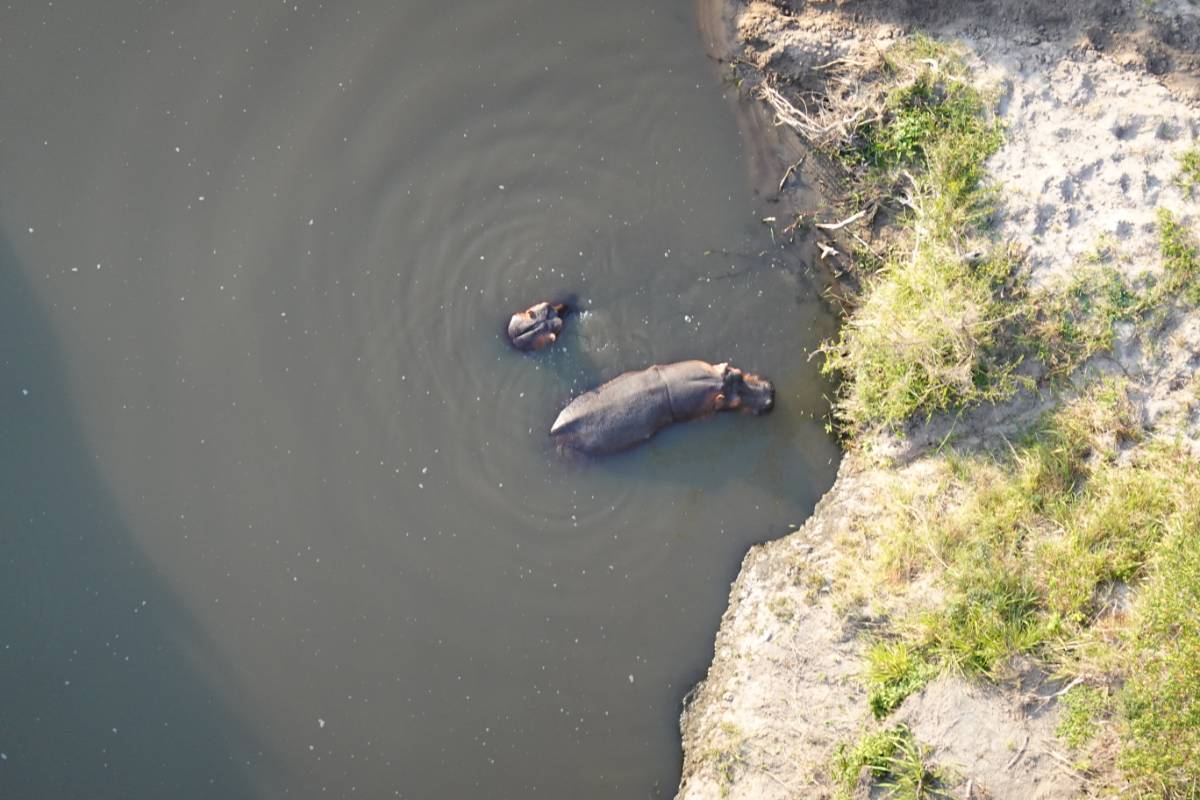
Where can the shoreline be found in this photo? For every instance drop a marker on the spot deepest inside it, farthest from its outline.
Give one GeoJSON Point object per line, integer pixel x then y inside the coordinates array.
{"type": "Point", "coordinates": [785, 693]}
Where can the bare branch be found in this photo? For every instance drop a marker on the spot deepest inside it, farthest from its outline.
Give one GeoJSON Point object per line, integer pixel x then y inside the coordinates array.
{"type": "Point", "coordinates": [833, 226]}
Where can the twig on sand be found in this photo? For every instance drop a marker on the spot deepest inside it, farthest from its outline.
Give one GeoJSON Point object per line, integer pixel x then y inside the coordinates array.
{"type": "Point", "coordinates": [865, 244]}
{"type": "Point", "coordinates": [826, 250]}
{"type": "Point", "coordinates": [833, 226]}
{"type": "Point", "coordinates": [1064, 763]}
{"type": "Point", "coordinates": [795, 223]}
{"type": "Point", "coordinates": [1059, 693]}
{"type": "Point", "coordinates": [790, 171]}
{"type": "Point", "coordinates": [1020, 753]}
{"type": "Point", "coordinates": [790, 789]}
{"type": "Point", "coordinates": [836, 61]}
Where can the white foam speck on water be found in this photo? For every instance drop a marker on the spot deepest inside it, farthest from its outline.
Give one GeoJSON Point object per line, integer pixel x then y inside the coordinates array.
{"type": "Point", "coordinates": [631, 677]}
{"type": "Point", "coordinates": [320, 722]}
{"type": "Point", "coordinates": [25, 393]}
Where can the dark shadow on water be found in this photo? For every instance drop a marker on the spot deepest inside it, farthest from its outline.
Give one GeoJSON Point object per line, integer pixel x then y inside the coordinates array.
{"type": "Point", "coordinates": [111, 688]}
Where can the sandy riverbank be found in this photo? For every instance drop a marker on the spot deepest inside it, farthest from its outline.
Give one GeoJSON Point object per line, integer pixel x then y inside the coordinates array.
{"type": "Point", "coordinates": [1098, 102]}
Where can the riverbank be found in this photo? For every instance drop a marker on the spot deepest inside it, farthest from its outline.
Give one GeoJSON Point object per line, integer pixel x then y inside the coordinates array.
{"type": "Point", "coordinates": [979, 603]}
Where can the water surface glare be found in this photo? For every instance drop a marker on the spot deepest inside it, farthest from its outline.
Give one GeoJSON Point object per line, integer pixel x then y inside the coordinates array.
{"type": "Point", "coordinates": [280, 516]}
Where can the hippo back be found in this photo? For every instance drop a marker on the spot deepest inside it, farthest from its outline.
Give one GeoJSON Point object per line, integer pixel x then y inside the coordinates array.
{"type": "Point", "coordinates": [621, 413]}
{"type": "Point", "coordinates": [693, 387]}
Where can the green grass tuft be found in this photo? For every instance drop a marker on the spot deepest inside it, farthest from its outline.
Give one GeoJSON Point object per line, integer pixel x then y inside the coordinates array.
{"type": "Point", "coordinates": [1160, 702]}
{"type": "Point", "coordinates": [726, 756]}
{"type": "Point", "coordinates": [1188, 178]}
{"type": "Point", "coordinates": [1072, 324]}
{"type": "Point", "coordinates": [1069, 325]}
{"type": "Point", "coordinates": [928, 336]}
{"type": "Point", "coordinates": [1181, 259]}
{"type": "Point", "coordinates": [931, 330]}
{"type": "Point", "coordinates": [993, 613]}
{"type": "Point", "coordinates": [894, 671]}
{"type": "Point", "coordinates": [890, 759]}
{"type": "Point", "coordinates": [1082, 708]}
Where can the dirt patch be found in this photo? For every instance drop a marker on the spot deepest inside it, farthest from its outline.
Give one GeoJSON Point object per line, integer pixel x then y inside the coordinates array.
{"type": "Point", "coordinates": [1160, 37]}
{"type": "Point", "coordinates": [996, 742]}
{"type": "Point", "coordinates": [782, 689]}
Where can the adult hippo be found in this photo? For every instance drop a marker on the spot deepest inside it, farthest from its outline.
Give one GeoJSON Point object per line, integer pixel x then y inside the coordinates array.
{"type": "Point", "coordinates": [632, 407]}
{"type": "Point", "coordinates": [536, 326]}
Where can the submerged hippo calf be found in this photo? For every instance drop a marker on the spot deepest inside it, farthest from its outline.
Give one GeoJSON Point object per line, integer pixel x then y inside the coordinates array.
{"type": "Point", "coordinates": [536, 326]}
{"type": "Point", "coordinates": [632, 407]}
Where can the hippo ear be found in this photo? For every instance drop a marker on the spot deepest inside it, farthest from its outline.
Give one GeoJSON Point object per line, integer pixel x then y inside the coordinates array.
{"type": "Point", "coordinates": [729, 374]}
{"type": "Point", "coordinates": [719, 401]}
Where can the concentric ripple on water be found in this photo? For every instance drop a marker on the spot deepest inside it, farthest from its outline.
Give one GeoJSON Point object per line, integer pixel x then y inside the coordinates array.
{"type": "Point", "coordinates": [271, 249]}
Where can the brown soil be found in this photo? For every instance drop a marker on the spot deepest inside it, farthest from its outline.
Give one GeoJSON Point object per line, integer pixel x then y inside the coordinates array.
{"type": "Point", "coordinates": [1161, 37]}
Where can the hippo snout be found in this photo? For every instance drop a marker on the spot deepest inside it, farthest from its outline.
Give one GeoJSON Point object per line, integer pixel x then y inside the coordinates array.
{"type": "Point", "coordinates": [758, 395]}
{"type": "Point", "coordinates": [769, 402]}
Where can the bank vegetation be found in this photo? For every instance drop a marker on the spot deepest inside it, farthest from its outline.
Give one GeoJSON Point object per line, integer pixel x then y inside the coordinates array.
{"type": "Point", "coordinates": [1076, 543]}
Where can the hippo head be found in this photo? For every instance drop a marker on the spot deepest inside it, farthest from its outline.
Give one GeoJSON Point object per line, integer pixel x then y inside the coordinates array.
{"type": "Point", "coordinates": [536, 326]}
{"type": "Point", "coordinates": [744, 391]}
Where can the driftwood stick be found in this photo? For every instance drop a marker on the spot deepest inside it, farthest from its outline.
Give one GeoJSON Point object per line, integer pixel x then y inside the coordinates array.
{"type": "Point", "coordinates": [839, 225]}
{"type": "Point", "coordinates": [790, 171]}
{"type": "Point", "coordinates": [1020, 753]}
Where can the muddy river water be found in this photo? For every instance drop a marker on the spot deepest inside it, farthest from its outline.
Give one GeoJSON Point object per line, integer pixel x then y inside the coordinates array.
{"type": "Point", "coordinates": [278, 512]}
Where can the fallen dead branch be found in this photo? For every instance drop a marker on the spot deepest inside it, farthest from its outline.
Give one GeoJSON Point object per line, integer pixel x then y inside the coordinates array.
{"type": "Point", "coordinates": [1020, 753]}
{"type": "Point", "coordinates": [822, 127]}
{"type": "Point", "coordinates": [790, 171]}
{"type": "Point", "coordinates": [834, 226]}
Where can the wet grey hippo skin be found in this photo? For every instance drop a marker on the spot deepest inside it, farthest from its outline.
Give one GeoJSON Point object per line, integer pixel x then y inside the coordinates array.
{"type": "Point", "coordinates": [632, 407]}
{"type": "Point", "coordinates": [536, 326]}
